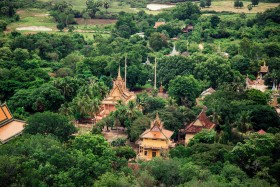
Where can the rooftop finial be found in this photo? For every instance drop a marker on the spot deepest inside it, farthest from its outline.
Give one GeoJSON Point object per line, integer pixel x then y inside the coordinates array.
{"type": "Point", "coordinates": [157, 117]}
{"type": "Point", "coordinates": [119, 72]}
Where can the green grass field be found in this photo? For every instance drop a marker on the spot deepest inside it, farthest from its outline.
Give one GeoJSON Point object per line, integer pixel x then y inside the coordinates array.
{"type": "Point", "coordinates": [220, 6]}
{"type": "Point", "coordinates": [33, 17]}
{"type": "Point", "coordinates": [40, 17]}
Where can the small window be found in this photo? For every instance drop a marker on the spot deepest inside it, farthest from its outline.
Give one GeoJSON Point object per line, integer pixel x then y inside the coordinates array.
{"type": "Point", "coordinates": [154, 153]}
{"type": "Point", "coordinates": [145, 153]}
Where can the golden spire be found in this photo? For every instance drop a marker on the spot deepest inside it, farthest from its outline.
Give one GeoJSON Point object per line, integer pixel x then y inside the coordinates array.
{"type": "Point", "coordinates": [119, 73]}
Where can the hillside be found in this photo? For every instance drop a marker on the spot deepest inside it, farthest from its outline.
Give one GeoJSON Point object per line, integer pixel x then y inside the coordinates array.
{"type": "Point", "coordinates": [112, 93]}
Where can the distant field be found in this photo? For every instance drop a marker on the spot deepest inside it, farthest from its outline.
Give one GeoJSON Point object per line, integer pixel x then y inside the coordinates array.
{"type": "Point", "coordinates": [220, 6]}
{"type": "Point", "coordinates": [33, 17]}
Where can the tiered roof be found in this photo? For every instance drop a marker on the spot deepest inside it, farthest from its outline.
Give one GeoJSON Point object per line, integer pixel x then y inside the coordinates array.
{"type": "Point", "coordinates": [9, 127]}
{"type": "Point", "coordinates": [201, 122]}
{"type": "Point", "coordinates": [157, 131]}
{"type": "Point", "coordinates": [264, 68]}
{"type": "Point", "coordinates": [119, 92]}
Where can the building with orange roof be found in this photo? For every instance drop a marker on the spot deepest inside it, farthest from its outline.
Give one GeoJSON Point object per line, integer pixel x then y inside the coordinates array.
{"type": "Point", "coordinates": [119, 92]}
{"type": "Point", "coordinates": [155, 141]}
{"type": "Point", "coordinates": [9, 127]}
{"type": "Point", "coordinates": [200, 123]}
{"type": "Point", "coordinates": [159, 23]}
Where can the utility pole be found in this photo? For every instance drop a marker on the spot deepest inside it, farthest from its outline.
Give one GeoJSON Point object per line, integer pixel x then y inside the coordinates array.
{"type": "Point", "coordinates": [125, 65]}
{"type": "Point", "coordinates": [155, 84]}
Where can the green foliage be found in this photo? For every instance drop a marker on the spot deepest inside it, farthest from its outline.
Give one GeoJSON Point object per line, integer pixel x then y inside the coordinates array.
{"type": "Point", "coordinates": [118, 142]}
{"type": "Point", "coordinates": [172, 66]}
{"type": "Point", "coordinates": [157, 41]}
{"type": "Point", "coordinates": [115, 180]}
{"type": "Point", "coordinates": [50, 123]}
{"type": "Point", "coordinates": [204, 136]}
{"type": "Point", "coordinates": [257, 96]}
{"type": "Point", "coordinates": [184, 89]}
{"type": "Point", "coordinates": [255, 2]}
{"type": "Point", "coordinates": [186, 10]}
{"type": "Point", "coordinates": [246, 154]}
{"type": "Point", "coordinates": [3, 25]}
{"type": "Point", "coordinates": [44, 98]}
{"type": "Point", "coordinates": [138, 127]}
{"type": "Point", "coordinates": [238, 4]}
{"type": "Point", "coordinates": [125, 152]}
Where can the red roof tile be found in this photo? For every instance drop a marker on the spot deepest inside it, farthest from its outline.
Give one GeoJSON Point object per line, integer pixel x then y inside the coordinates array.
{"type": "Point", "coordinates": [203, 122]}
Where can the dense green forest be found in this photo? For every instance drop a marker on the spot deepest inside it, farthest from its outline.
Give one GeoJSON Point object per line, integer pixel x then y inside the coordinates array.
{"type": "Point", "coordinates": [52, 79]}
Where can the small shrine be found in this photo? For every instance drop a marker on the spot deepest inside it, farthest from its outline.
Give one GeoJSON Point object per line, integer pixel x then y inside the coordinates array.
{"type": "Point", "coordinates": [9, 127]}
{"type": "Point", "coordinates": [200, 123]}
{"type": "Point", "coordinates": [258, 84]}
{"type": "Point", "coordinates": [174, 52]}
{"type": "Point", "coordinates": [119, 92]}
{"type": "Point", "coordinates": [155, 141]}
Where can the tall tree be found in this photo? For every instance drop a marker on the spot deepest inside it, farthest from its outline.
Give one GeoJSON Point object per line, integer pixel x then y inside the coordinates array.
{"type": "Point", "coordinates": [184, 89]}
{"type": "Point", "coordinates": [93, 7]}
{"type": "Point", "coordinates": [255, 2]}
{"type": "Point", "coordinates": [50, 123]}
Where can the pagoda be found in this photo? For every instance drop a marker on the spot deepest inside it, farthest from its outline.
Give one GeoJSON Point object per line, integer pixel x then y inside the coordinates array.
{"type": "Point", "coordinates": [9, 127]}
{"type": "Point", "coordinates": [155, 141]}
{"type": "Point", "coordinates": [119, 92]}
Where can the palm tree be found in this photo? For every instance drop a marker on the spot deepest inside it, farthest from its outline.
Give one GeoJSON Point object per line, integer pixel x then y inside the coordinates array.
{"type": "Point", "coordinates": [243, 122]}
{"type": "Point", "coordinates": [94, 106]}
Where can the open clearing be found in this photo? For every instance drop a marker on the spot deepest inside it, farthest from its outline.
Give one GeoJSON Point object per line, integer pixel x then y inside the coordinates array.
{"type": "Point", "coordinates": [34, 28]}
{"type": "Point", "coordinates": [81, 21]}
{"type": "Point", "coordinates": [157, 7]}
{"type": "Point", "coordinates": [220, 6]}
{"type": "Point", "coordinates": [33, 20]}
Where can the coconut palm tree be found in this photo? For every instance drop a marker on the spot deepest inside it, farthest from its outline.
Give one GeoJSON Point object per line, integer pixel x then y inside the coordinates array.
{"type": "Point", "coordinates": [243, 122]}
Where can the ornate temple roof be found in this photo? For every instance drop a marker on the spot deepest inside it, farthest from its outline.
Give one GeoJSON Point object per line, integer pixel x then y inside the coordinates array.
{"type": "Point", "coordinates": [9, 127]}
{"type": "Point", "coordinates": [119, 92]}
{"type": "Point", "coordinates": [264, 68]}
{"type": "Point", "coordinates": [157, 131]}
{"type": "Point", "coordinates": [201, 122]}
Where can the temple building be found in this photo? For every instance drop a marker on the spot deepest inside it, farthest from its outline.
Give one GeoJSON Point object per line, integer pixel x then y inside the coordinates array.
{"type": "Point", "coordinates": [155, 141]}
{"type": "Point", "coordinates": [263, 70]}
{"type": "Point", "coordinates": [9, 127]}
{"type": "Point", "coordinates": [200, 123]}
{"type": "Point", "coordinates": [119, 92]}
{"type": "Point", "coordinates": [258, 84]}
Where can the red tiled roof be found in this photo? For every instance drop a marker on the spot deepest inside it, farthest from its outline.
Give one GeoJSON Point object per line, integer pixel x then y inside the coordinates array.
{"type": "Point", "coordinates": [261, 132]}
{"type": "Point", "coordinates": [205, 123]}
